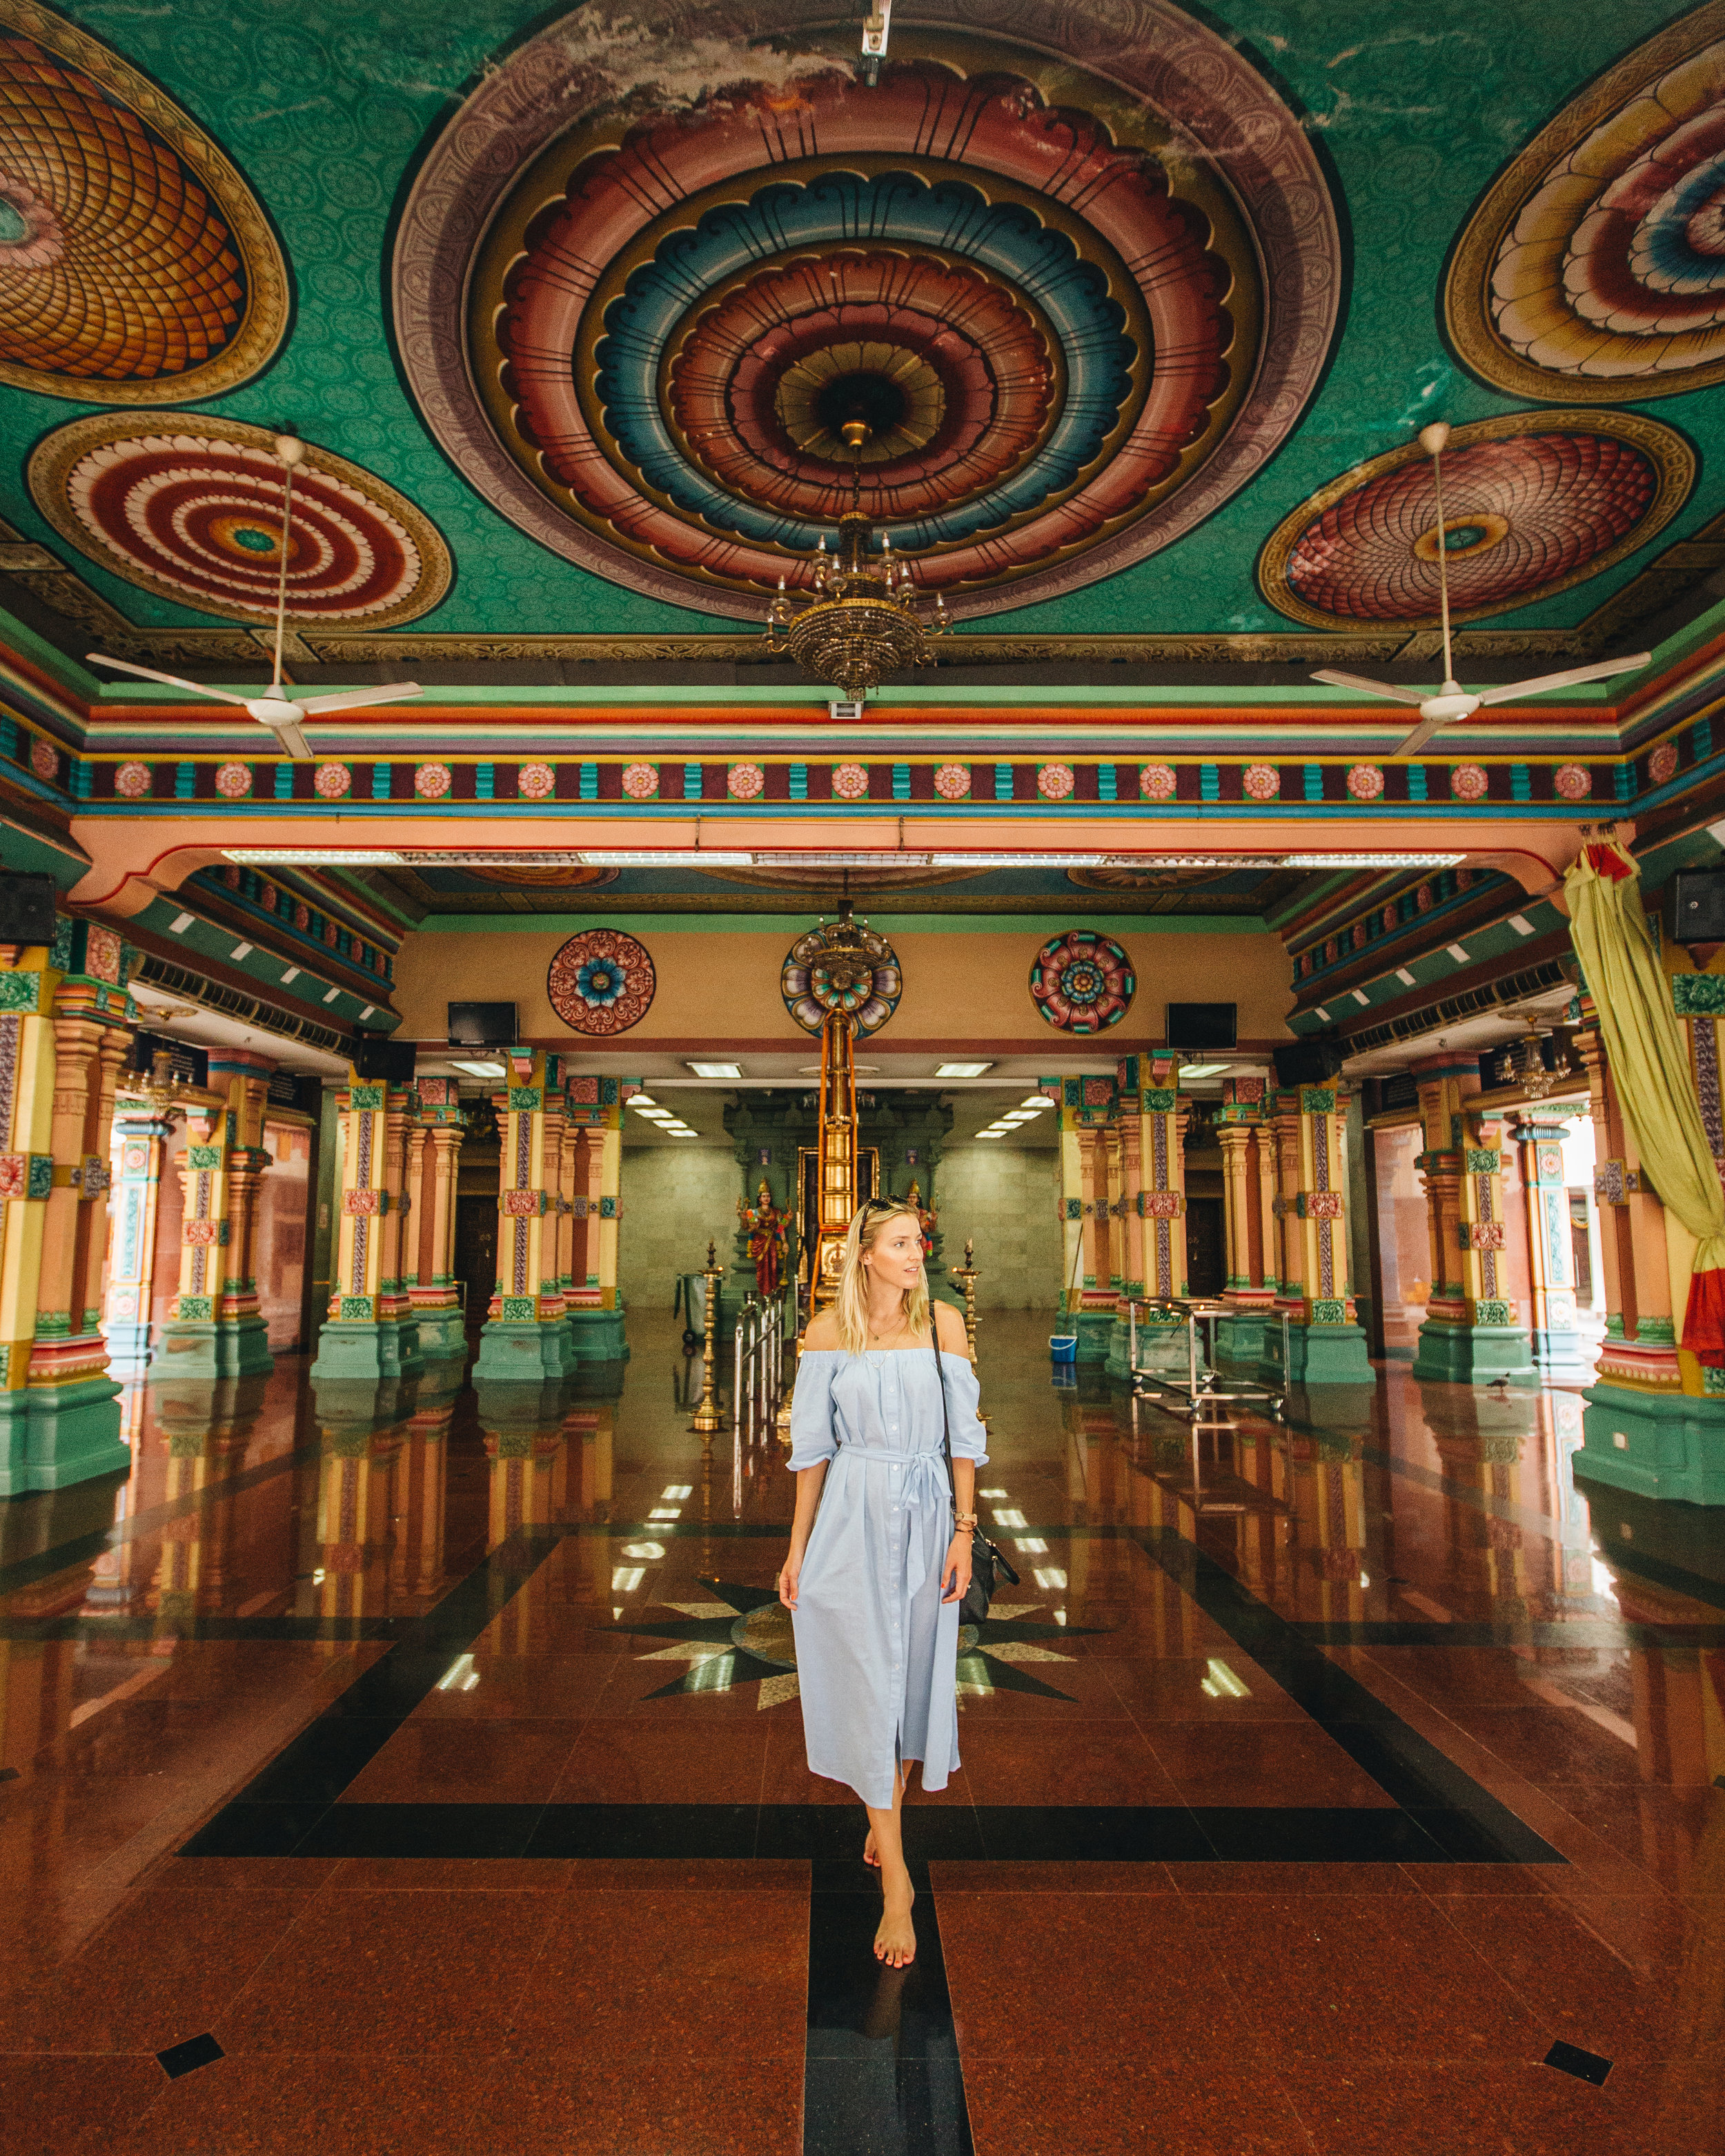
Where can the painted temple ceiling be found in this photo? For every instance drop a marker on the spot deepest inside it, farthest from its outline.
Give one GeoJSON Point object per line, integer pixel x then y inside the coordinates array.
{"type": "Point", "coordinates": [1144, 308]}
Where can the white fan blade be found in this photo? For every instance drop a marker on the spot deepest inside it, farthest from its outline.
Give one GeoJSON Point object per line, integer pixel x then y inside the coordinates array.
{"type": "Point", "coordinates": [171, 680]}
{"type": "Point", "coordinates": [1390, 689]}
{"type": "Point", "coordinates": [356, 700]}
{"type": "Point", "coordinates": [291, 739]}
{"type": "Point", "coordinates": [1602, 672]}
{"type": "Point", "coordinates": [1417, 739]}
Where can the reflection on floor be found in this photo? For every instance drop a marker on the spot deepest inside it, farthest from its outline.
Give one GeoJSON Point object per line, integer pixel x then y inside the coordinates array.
{"type": "Point", "coordinates": [423, 1772]}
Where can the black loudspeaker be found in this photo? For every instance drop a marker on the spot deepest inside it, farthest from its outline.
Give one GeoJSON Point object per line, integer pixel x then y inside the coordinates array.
{"type": "Point", "coordinates": [1202, 1025]}
{"type": "Point", "coordinates": [482, 1025]}
{"type": "Point", "coordinates": [1307, 1063]}
{"type": "Point", "coordinates": [25, 908]}
{"type": "Point", "coordinates": [1698, 905]}
{"type": "Point", "coordinates": [393, 1061]}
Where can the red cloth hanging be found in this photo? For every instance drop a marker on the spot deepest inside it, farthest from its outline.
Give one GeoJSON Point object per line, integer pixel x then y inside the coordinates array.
{"type": "Point", "coordinates": [1704, 1321]}
{"type": "Point", "coordinates": [1608, 861]}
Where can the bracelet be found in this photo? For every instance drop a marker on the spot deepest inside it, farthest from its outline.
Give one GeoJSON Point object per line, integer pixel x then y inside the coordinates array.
{"type": "Point", "coordinates": [965, 1519]}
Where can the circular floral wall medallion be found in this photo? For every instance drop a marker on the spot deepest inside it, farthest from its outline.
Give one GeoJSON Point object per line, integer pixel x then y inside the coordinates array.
{"type": "Point", "coordinates": [133, 781]}
{"type": "Point", "coordinates": [189, 506]}
{"type": "Point", "coordinates": [1572, 782]}
{"type": "Point", "coordinates": [1534, 502]}
{"type": "Point", "coordinates": [1594, 266]}
{"type": "Point", "coordinates": [1081, 982]}
{"type": "Point", "coordinates": [951, 781]}
{"type": "Point", "coordinates": [140, 268]}
{"type": "Point", "coordinates": [851, 782]}
{"type": "Point", "coordinates": [1262, 782]}
{"type": "Point", "coordinates": [640, 781]}
{"type": "Point", "coordinates": [1054, 781]}
{"type": "Point", "coordinates": [601, 982]}
{"type": "Point", "coordinates": [745, 781]}
{"type": "Point", "coordinates": [333, 781]}
{"type": "Point", "coordinates": [841, 966]}
{"type": "Point", "coordinates": [1156, 781]}
{"type": "Point", "coordinates": [44, 758]}
{"type": "Point", "coordinates": [432, 781]}
{"type": "Point", "coordinates": [1468, 783]}
{"type": "Point", "coordinates": [233, 781]}
{"type": "Point", "coordinates": [535, 781]}
{"type": "Point", "coordinates": [1365, 782]}
{"type": "Point", "coordinates": [1662, 764]}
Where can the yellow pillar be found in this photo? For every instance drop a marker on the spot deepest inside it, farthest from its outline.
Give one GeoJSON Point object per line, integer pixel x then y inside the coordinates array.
{"type": "Point", "coordinates": [1470, 1333]}
{"type": "Point", "coordinates": [1326, 1344]}
{"type": "Point", "coordinates": [430, 1274]}
{"type": "Point", "coordinates": [369, 1333]}
{"type": "Point", "coordinates": [594, 1106]}
{"type": "Point", "coordinates": [525, 1339]}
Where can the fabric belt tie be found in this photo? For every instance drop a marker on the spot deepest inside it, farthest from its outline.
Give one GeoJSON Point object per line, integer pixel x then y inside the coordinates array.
{"type": "Point", "coordinates": [918, 1488]}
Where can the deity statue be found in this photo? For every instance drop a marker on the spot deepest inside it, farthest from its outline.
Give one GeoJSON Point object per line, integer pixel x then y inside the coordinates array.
{"type": "Point", "coordinates": [766, 1226]}
{"type": "Point", "coordinates": [926, 1214]}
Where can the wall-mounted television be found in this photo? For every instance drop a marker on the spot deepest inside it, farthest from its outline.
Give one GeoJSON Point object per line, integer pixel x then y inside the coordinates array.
{"type": "Point", "coordinates": [482, 1025]}
{"type": "Point", "coordinates": [1203, 1025]}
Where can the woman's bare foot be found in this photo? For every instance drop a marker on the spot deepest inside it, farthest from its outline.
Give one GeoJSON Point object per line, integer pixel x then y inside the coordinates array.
{"type": "Point", "coordinates": [870, 1855]}
{"type": "Point", "coordinates": [895, 1942]}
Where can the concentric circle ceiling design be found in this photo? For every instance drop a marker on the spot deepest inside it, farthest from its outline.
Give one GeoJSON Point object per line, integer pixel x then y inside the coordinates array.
{"type": "Point", "coordinates": [135, 267]}
{"type": "Point", "coordinates": [1079, 277]}
{"type": "Point", "coordinates": [1595, 266]}
{"type": "Point", "coordinates": [189, 506]}
{"type": "Point", "coordinates": [1534, 502]}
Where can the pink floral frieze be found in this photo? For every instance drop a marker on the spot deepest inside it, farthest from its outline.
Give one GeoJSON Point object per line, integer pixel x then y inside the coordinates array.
{"type": "Point", "coordinates": [133, 781]}
{"type": "Point", "coordinates": [851, 782]}
{"type": "Point", "coordinates": [1468, 783]}
{"type": "Point", "coordinates": [745, 781]}
{"type": "Point", "coordinates": [44, 758]}
{"type": "Point", "coordinates": [1054, 781]}
{"type": "Point", "coordinates": [951, 781]}
{"type": "Point", "coordinates": [200, 1235]}
{"type": "Point", "coordinates": [535, 781]}
{"type": "Point", "coordinates": [334, 782]}
{"type": "Point", "coordinates": [1572, 782]}
{"type": "Point", "coordinates": [433, 781]}
{"type": "Point", "coordinates": [233, 781]}
{"type": "Point", "coordinates": [640, 781]}
{"type": "Point", "coordinates": [1365, 782]}
{"type": "Point", "coordinates": [1262, 782]}
{"type": "Point", "coordinates": [1156, 781]}
{"type": "Point", "coordinates": [361, 1204]}
{"type": "Point", "coordinates": [1662, 764]}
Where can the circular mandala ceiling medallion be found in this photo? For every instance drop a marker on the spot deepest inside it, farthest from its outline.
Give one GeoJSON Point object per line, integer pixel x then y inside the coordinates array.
{"type": "Point", "coordinates": [189, 506]}
{"type": "Point", "coordinates": [135, 265]}
{"type": "Point", "coordinates": [601, 982]}
{"type": "Point", "coordinates": [1595, 266]}
{"type": "Point", "coordinates": [1082, 982]}
{"type": "Point", "coordinates": [1079, 298]}
{"type": "Point", "coordinates": [1533, 503]}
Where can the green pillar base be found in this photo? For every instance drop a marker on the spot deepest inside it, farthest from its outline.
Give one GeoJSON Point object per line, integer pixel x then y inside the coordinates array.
{"type": "Point", "coordinates": [53, 1436]}
{"type": "Point", "coordinates": [522, 1352]}
{"type": "Point", "coordinates": [596, 1336]}
{"type": "Point", "coordinates": [1162, 1349]}
{"type": "Point", "coordinates": [225, 1348]}
{"type": "Point", "coordinates": [1240, 1339]}
{"type": "Point", "coordinates": [443, 1334]}
{"type": "Point", "coordinates": [1096, 1333]}
{"type": "Point", "coordinates": [1564, 1357]}
{"type": "Point", "coordinates": [1320, 1354]}
{"type": "Point", "coordinates": [129, 1346]}
{"type": "Point", "coordinates": [1473, 1354]}
{"type": "Point", "coordinates": [1673, 1444]}
{"type": "Point", "coordinates": [357, 1349]}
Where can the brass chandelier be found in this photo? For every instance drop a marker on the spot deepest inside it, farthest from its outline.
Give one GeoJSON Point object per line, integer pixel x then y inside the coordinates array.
{"type": "Point", "coordinates": [860, 620]}
{"type": "Point", "coordinates": [1528, 1070]}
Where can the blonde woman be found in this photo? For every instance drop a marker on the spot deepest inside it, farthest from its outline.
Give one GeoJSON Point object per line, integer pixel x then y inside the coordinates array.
{"type": "Point", "coordinates": [880, 1555]}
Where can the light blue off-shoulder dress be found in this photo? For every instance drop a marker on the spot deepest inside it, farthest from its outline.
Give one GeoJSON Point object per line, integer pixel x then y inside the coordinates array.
{"type": "Point", "coordinates": [876, 1649]}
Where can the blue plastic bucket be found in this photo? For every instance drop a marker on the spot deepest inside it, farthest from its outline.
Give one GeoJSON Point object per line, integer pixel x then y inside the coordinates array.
{"type": "Point", "coordinates": [1063, 1347]}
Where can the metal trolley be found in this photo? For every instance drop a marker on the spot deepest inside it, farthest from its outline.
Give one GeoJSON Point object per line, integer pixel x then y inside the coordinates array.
{"type": "Point", "coordinates": [758, 1364]}
{"type": "Point", "coordinates": [1205, 1388]}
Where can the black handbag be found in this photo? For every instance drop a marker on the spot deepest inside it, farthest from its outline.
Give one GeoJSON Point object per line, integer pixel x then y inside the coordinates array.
{"type": "Point", "coordinates": [987, 1560]}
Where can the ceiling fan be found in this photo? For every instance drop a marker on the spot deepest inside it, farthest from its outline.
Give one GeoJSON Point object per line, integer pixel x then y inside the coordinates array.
{"type": "Point", "coordinates": [1441, 707]}
{"type": "Point", "coordinates": [275, 709]}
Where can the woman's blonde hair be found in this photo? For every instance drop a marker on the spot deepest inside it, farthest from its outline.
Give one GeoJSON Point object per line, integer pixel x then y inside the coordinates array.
{"type": "Point", "coordinates": [851, 1307]}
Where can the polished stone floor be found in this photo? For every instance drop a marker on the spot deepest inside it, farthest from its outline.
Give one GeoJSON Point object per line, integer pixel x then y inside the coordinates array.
{"type": "Point", "coordinates": [423, 1773]}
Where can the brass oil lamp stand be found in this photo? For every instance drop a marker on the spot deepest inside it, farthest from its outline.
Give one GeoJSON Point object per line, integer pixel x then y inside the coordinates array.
{"type": "Point", "coordinates": [967, 1277]}
{"type": "Point", "coordinates": [707, 1418]}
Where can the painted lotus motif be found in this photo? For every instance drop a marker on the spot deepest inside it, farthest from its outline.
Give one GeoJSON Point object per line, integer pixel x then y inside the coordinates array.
{"type": "Point", "coordinates": [601, 982]}
{"type": "Point", "coordinates": [433, 781]}
{"type": "Point", "coordinates": [745, 781]}
{"type": "Point", "coordinates": [640, 781]}
{"type": "Point", "coordinates": [1261, 781]}
{"type": "Point", "coordinates": [1468, 783]}
{"type": "Point", "coordinates": [842, 966]}
{"type": "Point", "coordinates": [1572, 782]}
{"type": "Point", "coordinates": [1156, 781]}
{"type": "Point", "coordinates": [951, 781]}
{"type": "Point", "coordinates": [1082, 983]}
{"type": "Point", "coordinates": [332, 781]}
{"type": "Point", "coordinates": [851, 782]}
{"type": "Point", "coordinates": [1054, 782]}
{"type": "Point", "coordinates": [535, 782]}
{"type": "Point", "coordinates": [1365, 782]}
{"type": "Point", "coordinates": [133, 781]}
{"type": "Point", "coordinates": [233, 781]}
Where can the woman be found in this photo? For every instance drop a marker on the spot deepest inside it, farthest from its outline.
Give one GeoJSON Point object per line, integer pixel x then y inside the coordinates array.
{"type": "Point", "coordinates": [880, 1555]}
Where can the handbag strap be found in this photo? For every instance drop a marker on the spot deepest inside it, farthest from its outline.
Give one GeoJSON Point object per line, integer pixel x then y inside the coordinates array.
{"type": "Point", "coordinates": [940, 1372]}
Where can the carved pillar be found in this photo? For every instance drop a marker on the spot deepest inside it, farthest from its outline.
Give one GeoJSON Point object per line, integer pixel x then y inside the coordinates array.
{"type": "Point", "coordinates": [1088, 1297]}
{"type": "Point", "coordinates": [1326, 1344]}
{"type": "Point", "coordinates": [1152, 1110]}
{"type": "Point", "coordinates": [1469, 1334]}
{"type": "Point", "coordinates": [1538, 1137]}
{"type": "Point", "coordinates": [1248, 1187]}
{"type": "Point", "coordinates": [525, 1339]}
{"type": "Point", "coordinates": [594, 1105]}
{"type": "Point", "coordinates": [141, 1137]}
{"type": "Point", "coordinates": [434, 1152]}
{"type": "Point", "coordinates": [370, 1333]}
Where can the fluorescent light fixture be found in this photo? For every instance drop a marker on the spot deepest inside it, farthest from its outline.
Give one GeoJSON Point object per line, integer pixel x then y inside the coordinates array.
{"type": "Point", "coordinates": [180, 924]}
{"type": "Point", "coordinates": [682, 1131]}
{"type": "Point", "coordinates": [678, 1489]}
{"type": "Point", "coordinates": [642, 1103]}
{"type": "Point", "coordinates": [1203, 1070]}
{"type": "Point", "coordinates": [670, 857]}
{"type": "Point", "coordinates": [1458, 952]}
{"type": "Point", "coordinates": [1009, 861]}
{"type": "Point", "coordinates": [1038, 1100]}
{"type": "Point", "coordinates": [716, 1069]}
{"type": "Point", "coordinates": [241, 951]}
{"type": "Point", "coordinates": [991, 1134]}
{"type": "Point", "coordinates": [1405, 978]}
{"type": "Point", "coordinates": [291, 974]}
{"type": "Point", "coordinates": [1521, 924]}
{"type": "Point", "coordinates": [369, 1010]}
{"type": "Point", "coordinates": [481, 1069]}
{"type": "Point", "coordinates": [313, 857]}
{"type": "Point", "coordinates": [1322, 1013]}
{"type": "Point", "coordinates": [1362, 999]}
{"type": "Point", "coordinates": [658, 1115]}
{"type": "Point", "coordinates": [1016, 1115]}
{"type": "Point", "coordinates": [961, 1070]}
{"type": "Point", "coordinates": [1368, 860]}
{"type": "Point", "coordinates": [332, 995]}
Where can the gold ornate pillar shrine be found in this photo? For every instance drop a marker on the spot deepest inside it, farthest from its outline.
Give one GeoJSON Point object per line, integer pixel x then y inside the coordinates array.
{"type": "Point", "coordinates": [369, 1334]}
{"type": "Point", "coordinates": [1469, 1334]}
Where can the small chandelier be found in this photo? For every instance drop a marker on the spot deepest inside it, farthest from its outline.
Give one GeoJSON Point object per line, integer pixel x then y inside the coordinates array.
{"type": "Point", "coordinates": [861, 621]}
{"type": "Point", "coordinates": [1527, 1068]}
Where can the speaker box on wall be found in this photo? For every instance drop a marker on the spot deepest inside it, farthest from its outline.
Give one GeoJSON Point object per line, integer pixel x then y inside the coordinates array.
{"type": "Point", "coordinates": [393, 1061]}
{"type": "Point", "coordinates": [1307, 1063]}
{"type": "Point", "coordinates": [1698, 905]}
{"type": "Point", "coordinates": [25, 908]}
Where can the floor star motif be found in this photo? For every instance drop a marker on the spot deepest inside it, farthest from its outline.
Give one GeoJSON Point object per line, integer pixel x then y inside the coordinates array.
{"type": "Point", "coordinates": [745, 1638]}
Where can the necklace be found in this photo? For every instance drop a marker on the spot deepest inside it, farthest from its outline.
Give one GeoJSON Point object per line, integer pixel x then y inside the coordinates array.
{"type": "Point", "coordinates": [893, 1334]}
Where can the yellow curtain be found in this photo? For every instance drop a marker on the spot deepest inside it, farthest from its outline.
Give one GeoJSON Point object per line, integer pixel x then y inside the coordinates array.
{"type": "Point", "coordinates": [1649, 1064]}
